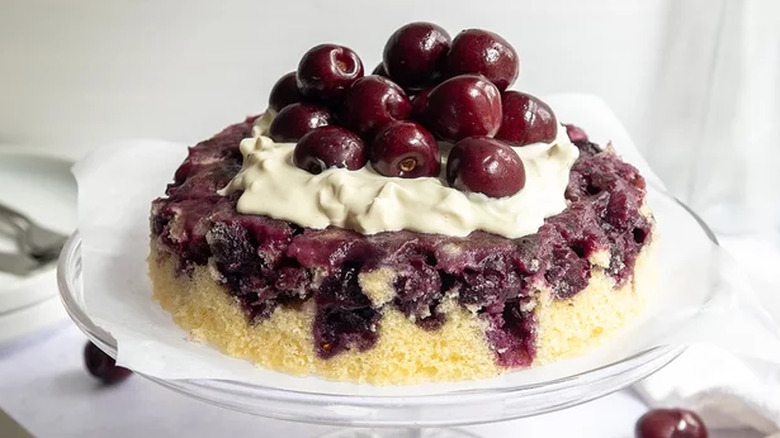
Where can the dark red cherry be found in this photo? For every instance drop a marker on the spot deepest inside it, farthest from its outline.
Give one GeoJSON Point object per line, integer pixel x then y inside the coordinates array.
{"type": "Point", "coordinates": [284, 92]}
{"type": "Point", "coordinates": [103, 366]}
{"type": "Point", "coordinates": [405, 149]}
{"type": "Point", "coordinates": [464, 106]}
{"type": "Point", "coordinates": [485, 165]}
{"type": "Point", "coordinates": [326, 71]}
{"type": "Point", "coordinates": [371, 103]}
{"type": "Point", "coordinates": [526, 120]}
{"type": "Point", "coordinates": [295, 120]}
{"type": "Point", "coordinates": [415, 54]}
{"type": "Point", "coordinates": [483, 52]}
{"type": "Point", "coordinates": [420, 105]}
{"type": "Point", "coordinates": [670, 423]}
{"type": "Point", "coordinates": [575, 133]}
{"type": "Point", "coordinates": [329, 146]}
{"type": "Point", "coordinates": [380, 71]}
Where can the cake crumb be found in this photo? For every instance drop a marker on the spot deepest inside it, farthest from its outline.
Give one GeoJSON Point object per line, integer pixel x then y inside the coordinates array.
{"type": "Point", "coordinates": [377, 285]}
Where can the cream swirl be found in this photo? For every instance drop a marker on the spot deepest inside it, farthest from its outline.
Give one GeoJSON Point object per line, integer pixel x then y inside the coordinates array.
{"type": "Point", "coordinates": [367, 202]}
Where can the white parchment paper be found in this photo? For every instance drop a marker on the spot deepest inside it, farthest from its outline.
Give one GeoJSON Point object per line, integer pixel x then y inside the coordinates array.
{"type": "Point", "coordinates": [698, 297]}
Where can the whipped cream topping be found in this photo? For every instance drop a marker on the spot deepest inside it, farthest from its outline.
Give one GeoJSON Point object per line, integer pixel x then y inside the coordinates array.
{"type": "Point", "coordinates": [367, 202]}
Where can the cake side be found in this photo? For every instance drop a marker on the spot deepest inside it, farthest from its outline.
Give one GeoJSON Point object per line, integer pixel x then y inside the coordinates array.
{"type": "Point", "coordinates": [570, 328]}
{"type": "Point", "coordinates": [404, 353]}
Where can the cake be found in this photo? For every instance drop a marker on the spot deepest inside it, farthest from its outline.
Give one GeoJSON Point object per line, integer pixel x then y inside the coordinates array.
{"type": "Point", "coordinates": [356, 233]}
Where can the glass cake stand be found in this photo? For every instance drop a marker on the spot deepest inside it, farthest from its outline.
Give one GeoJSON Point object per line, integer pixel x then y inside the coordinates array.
{"type": "Point", "coordinates": [363, 415]}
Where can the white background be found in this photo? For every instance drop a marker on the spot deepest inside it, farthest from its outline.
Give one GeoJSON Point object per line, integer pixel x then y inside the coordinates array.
{"type": "Point", "coordinates": [694, 81]}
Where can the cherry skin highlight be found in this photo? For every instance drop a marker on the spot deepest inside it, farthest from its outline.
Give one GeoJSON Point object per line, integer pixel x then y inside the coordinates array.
{"type": "Point", "coordinates": [485, 53]}
{"type": "Point", "coordinates": [485, 165]}
{"type": "Point", "coordinates": [371, 103]}
{"type": "Point", "coordinates": [670, 423]}
{"type": "Point", "coordinates": [526, 120]}
{"type": "Point", "coordinates": [329, 146]}
{"type": "Point", "coordinates": [326, 71]}
{"type": "Point", "coordinates": [294, 121]}
{"type": "Point", "coordinates": [415, 54]}
{"type": "Point", "coordinates": [464, 106]}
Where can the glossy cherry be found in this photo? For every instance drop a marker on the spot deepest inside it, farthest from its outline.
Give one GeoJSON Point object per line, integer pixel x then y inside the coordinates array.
{"type": "Point", "coordinates": [670, 423]}
{"type": "Point", "coordinates": [464, 106]}
{"type": "Point", "coordinates": [526, 120]}
{"type": "Point", "coordinates": [405, 149]}
{"type": "Point", "coordinates": [329, 146]}
{"type": "Point", "coordinates": [485, 165]}
{"type": "Point", "coordinates": [284, 92]}
{"type": "Point", "coordinates": [326, 71]}
{"type": "Point", "coordinates": [575, 133]}
{"type": "Point", "coordinates": [295, 120]}
{"type": "Point", "coordinates": [415, 54]}
{"type": "Point", "coordinates": [486, 53]}
{"type": "Point", "coordinates": [103, 366]}
{"type": "Point", "coordinates": [420, 105]}
{"type": "Point", "coordinates": [371, 103]}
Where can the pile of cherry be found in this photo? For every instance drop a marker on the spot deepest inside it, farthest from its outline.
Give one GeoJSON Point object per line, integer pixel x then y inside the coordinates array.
{"type": "Point", "coordinates": [427, 88]}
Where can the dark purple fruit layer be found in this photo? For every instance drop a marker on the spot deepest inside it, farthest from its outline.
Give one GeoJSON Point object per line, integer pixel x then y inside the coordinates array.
{"type": "Point", "coordinates": [266, 263]}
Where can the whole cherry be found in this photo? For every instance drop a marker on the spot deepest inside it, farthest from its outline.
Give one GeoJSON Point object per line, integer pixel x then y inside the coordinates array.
{"type": "Point", "coordinates": [102, 366]}
{"type": "Point", "coordinates": [284, 92]}
{"type": "Point", "coordinates": [295, 120]}
{"type": "Point", "coordinates": [670, 423]}
{"type": "Point", "coordinates": [371, 103]}
{"type": "Point", "coordinates": [464, 106]}
{"type": "Point", "coordinates": [486, 53]}
{"type": "Point", "coordinates": [526, 119]}
{"type": "Point", "coordinates": [326, 71]}
{"type": "Point", "coordinates": [405, 149]}
{"type": "Point", "coordinates": [329, 146]}
{"type": "Point", "coordinates": [485, 165]}
{"type": "Point", "coordinates": [415, 54]}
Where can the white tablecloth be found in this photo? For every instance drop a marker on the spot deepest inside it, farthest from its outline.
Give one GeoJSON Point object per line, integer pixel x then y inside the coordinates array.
{"type": "Point", "coordinates": [44, 386]}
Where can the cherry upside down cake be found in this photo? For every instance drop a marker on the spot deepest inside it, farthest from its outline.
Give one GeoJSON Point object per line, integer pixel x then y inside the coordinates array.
{"type": "Point", "coordinates": [422, 223]}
